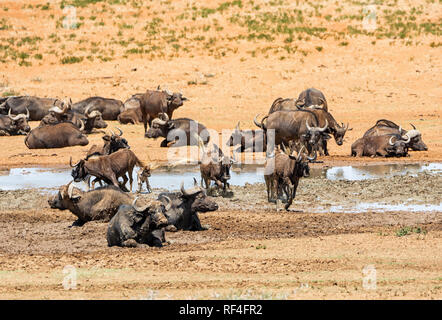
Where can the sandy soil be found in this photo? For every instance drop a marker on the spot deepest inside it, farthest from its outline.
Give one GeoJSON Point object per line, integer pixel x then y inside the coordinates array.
{"type": "Point", "coordinates": [250, 247]}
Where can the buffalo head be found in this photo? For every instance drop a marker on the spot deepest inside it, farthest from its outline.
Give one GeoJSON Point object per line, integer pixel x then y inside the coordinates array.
{"type": "Point", "coordinates": [415, 142]}
{"type": "Point", "coordinates": [115, 142]}
{"type": "Point", "coordinates": [200, 202]}
{"type": "Point", "coordinates": [19, 123]}
{"type": "Point", "coordinates": [160, 127]}
{"type": "Point", "coordinates": [314, 134]}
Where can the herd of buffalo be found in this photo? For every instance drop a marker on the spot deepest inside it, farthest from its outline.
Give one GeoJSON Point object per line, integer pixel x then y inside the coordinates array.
{"type": "Point", "coordinates": [291, 134]}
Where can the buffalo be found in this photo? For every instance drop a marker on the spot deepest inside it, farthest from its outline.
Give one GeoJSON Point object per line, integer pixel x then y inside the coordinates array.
{"type": "Point", "coordinates": [112, 143]}
{"type": "Point", "coordinates": [248, 140]}
{"type": "Point", "coordinates": [311, 97]}
{"type": "Point", "coordinates": [109, 108]}
{"type": "Point", "coordinates": [12, 125]}
{"type": "Point", "coordinates": [154, 103]}
{"type": "Point", "coordinates": [99, 204]}
{"type": "Point", "coordinates": [177, 132]}
{"type": "Point", "coordinates": [383, 127]}
{"type": "Point", "coordinates": [57, 136]}
{"type": "Point", "coordinates": [38, 107]}
{"type": "Point", "coordinates": [185, 205]}
{"type": "Point", "coordinates": [384, 146]}
{"type": "Point", "coordinates": [135, 226]}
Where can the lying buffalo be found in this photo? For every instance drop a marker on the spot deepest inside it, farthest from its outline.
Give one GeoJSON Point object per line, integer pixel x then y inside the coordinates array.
{"type": "Point", "coordinates": [383, 127]}
{"type": "Point", "coordinates": [248, 140]}
{"type": "Point", "coordinates": [131, 116]}
{"type": "Point", "coordinates": [384, 146]}
{"type": "Point", "coordinates": [185, 205]}
{"type": "Point", "coordinates": [57, 136]}
{"type": "Point", "coordinates": [177, 132]}
{"type": "Point", "coordinates": [98, 204]}
{"type": "Point", "coordinates": [12, 125]}
{"type": "Point", "coordinates": [154, 103]}
{"type": "Point", "coordinates": [38, 107]}
{"type": "Point", "coordinates": [134, 226]}
{"type": "Point", "coordinates": [109, 108]}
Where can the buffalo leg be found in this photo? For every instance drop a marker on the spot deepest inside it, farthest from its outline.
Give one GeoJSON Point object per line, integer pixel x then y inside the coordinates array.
{"type": "Point", "coordinates": [78, 223]}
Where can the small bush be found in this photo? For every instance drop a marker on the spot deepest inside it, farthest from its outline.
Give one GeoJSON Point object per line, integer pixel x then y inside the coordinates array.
{"type": "Point", "coordinates": [71, 59]}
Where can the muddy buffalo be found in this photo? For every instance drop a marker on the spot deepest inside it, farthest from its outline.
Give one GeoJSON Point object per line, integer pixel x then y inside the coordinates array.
{"type": "Point", "coordinates": [12, 125]}
{"type": "Point", "coordinates": [185, 205]}
{"type": "Point", "coordinates": [135, 226]}
{"type": "Point", "coordinates": [383, 127]}
{"type": "Point", "coordinates": [98, 204]}
{"type": "Point", "coordinates": [109, 108]}
{"type": "Point", "coordinates": [178, 132]}
{"type": "Point", "coordinates": [57, 136]}
{"type": "Point", "coordinates": [38, 107]}
{"type": "Point", "coordinates": [154, 103]}
{"type": "Point", "coordinates": [384, 146]}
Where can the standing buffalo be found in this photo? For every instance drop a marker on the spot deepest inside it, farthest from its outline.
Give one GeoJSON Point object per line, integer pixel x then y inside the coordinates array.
{"type": "Point", "coordinates": [154, 103]}
{"type": "Point", "coordinates": [282, 173]}
{"type": "Point", "coordinates": [183, 212]}
{"type": "Point", "coordinates": [11, 125]}
{"type": "Point", "coordinates": [301, 126]}
{"type": "Point", "coordinates": [249, 140]}
{"type": "Point", "coordinates": [38, 107]}
{"type": "Point", "coordinates": [383, 127]}
{"type": "Point", "coordinates": [288, 104]}
{"type": "Point", "coordinates": [384, 146]}
{"type": "Point", "coordinates": [135, 226]}
{"type": "Point", "coordinates": [109, 108]}
{"type": "Point", "coordinates": [178, 132]}
{"type": "Point", "coordinates": [312, 97]}
{"type": "Point", "coordinates": [98, 204]}
{"type": "Point", "coordinates": [108, 168]}
{"type": "Point", "coordinates": [57, 136]}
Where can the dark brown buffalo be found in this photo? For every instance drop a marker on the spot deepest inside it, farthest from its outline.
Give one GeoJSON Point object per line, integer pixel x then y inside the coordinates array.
{"type": "Point", "coordinates": [137, 226]}
{"type": "Point", "coordinates": [215, 166]}
{"type": "Point", "coordinates": [38, 107]}
{"type": "Point", "coordinates": [312, 97]}
{"type": "Point", "coordinates": [57, 136]}
{"type": "Point", "coordinates": [109, 108]}
{"type": "Point", "coordinates": [384, 146]}
{"type": "Point", "coordinates": [282, 173]}
{"type": "Point", "coordinates": [131, 116]}
{"type": "Point", "coordinates": [290, 127]}
{"type": "Point", "coordinates": [178, 132]}
{"type": "Point", "coordinates": [98, 204]}
{"type": "Point", "coordinates": [288, 104]}
{"type": "Point", "coordinates": [108, 168]}
{"type": "Point", "coordinates": [383, 127]}
{"type": "Point", "coordinates": [185, 205]}
{"type": "Point", "coordinates": [249, 140]}
{"type": "Point", "coordinates": [154, 103]}
{"type": "Point", "coordinates": [12, 125]}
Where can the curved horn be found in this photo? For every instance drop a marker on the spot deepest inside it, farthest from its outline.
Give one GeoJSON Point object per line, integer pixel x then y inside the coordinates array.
{"type": "Point", "coordinates": [256, 121]}
{"type": "Point", "coordinates": [27, 113]}
{"type": "Point", "coordinates": [82, 125]}
{"type": "Point", "coordinates": [314, 157]}
{"type": "Point", "coordinates": [237, 126]}
{"type": "Point", "coordinates": [139, 209]}
{"type": "Point", "coordinates": [413, 126]}
{"type": "Point", "coordinates": [190, 191]}
{"type": "Point", "coordinates": [159, 121]}
{"type": "Point", "coordinates": [308, 127]}
{"type": "Point", "coordinates": [86, 112]}
{"type": "Point", "coordinates": [70, 163]}
{"type": "Point", "coordinates": [169, 203]}
{"type": "Point", "coordinates": [390, 142]}
{"type": "Point", "coordinates": [408, 139]}
{"type": "Point", "coordinates": [168, 92]}
{"type": "Point", "coordinates": [12, 117]}
{"type": "Point", "coordinates": [325, 127]}
{"type": "Point", "coordinates": [56, 110]}
{"type": "Point", "coordinates": [284, 148]}
{"type": "Point", "coordinates": [70, 190]}
{"type": "Point", "coordinates": [121, 132]}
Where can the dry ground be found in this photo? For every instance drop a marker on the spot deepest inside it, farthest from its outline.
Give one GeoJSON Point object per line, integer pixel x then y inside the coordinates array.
{"type": "Point", "coordinates": [232, 60]}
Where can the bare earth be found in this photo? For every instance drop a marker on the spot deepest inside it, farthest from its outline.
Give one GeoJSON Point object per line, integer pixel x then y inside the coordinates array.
{"type": "Point", "coordinates": [251, 251]}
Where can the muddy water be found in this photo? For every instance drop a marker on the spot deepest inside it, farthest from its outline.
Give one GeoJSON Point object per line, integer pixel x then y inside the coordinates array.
{"type": "Point", "coordinates": [375, 188]}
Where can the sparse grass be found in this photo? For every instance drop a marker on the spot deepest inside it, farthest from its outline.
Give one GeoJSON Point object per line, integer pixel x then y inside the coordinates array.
{"type": "Point", "coordinates": [405, 231]}
{"type": "Point", "coordinates": [71, 59]}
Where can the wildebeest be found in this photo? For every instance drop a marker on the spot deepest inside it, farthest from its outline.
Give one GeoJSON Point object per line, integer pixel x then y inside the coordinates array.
{"type": "Point", "coordinates": [109, 108]}
{"type": "Point", "coordinates": [249, 140]}
{"type": "Point", "coordinates": [135, 226]}
{"type": "Point", "coordinates": [112, 143]}
{"type": "Point", "coordinates": [108, 168]}
{"type": "Point", "coordinates": [383, 127]}
{"type": "Point", "coordinates": [99, 204]}
{"type": "Point", "coordinates": [38, 107]}
{"type": "Point", "coordinates": [154, 103]}
{"type": "Point", "coordinates": [12, 125]}
{"type": "Point", "coordinates": [333, 128]}
{"type": "Point", "coordinates": [282, 173]}
{"type": "Point", "coordinates": [177, 132]}
{"type": "Point", "coordinates": [215, 166]}
{"type": "Point", "coordinates": [384, 146]}
{"type": "Point", "coordinates": [185, 205]}
{"type": "Point", "coordinates": [57, 136]}
{"type": "Point", "coordinates": [312, 97]}
{"type": "Point", "coordinates": [143, 175]}
{"type": "Point", "coordinates": [292, 127]}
